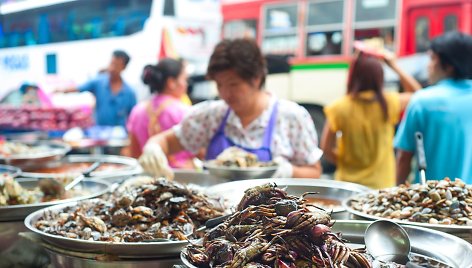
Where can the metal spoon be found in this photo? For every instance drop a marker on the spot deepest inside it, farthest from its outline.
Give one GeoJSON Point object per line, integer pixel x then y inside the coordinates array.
{"type": "Point", "coordinates": [82, 176]}
{"type": "Point", "coordinates": [387, 241]}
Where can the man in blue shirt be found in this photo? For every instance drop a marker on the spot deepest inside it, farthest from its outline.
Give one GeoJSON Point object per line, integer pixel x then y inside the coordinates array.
{"type": "Point", "coordinates": [114, 97]}
{"type": "Point", "coordinates": [442, 113]}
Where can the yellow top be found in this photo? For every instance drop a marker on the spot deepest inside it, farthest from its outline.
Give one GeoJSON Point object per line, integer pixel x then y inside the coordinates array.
{"type": "Point", "coordinates": [365, 147]}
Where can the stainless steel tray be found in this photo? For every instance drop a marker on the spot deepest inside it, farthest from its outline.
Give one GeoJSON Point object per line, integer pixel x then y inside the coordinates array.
{"type": "Point", "coordinates": [120, 249]}
{"type": "Point", "coordinates": [13, 171]}
{"type": "Point", "coordinates": [328, 189]}
{"type": "Point", "coordinates": [56, 150]}
{"type": "Point", "coordinates": [425, 242]}
{"type": "Point", "coordinates": [131, 168]}
{"type": "Point", "coordinates": [19, 212]}
{"type": "Point", "coordinates": [200, 178]}
{"type": "Point", "coordinates": [464, 232]}
{"type": "Point", "coordinates": [232, 173]}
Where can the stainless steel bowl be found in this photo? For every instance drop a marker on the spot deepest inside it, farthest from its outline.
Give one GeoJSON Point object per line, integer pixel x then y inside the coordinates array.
{"type": "Point", "coordinates": [12, 171]}
{"type": "Point", "coordinates": [200, 178]}
{"type": "Point", "coordinates": [231, 173]}
{"type": "Point", "coordinates": [94, 188]}
{"type": "Point", "coordinates": [120, 249]}
{"type": "Point", "coordinates": [327, 189]}
{"type": "Point", "coordinates": [131, 167]}
{"type": "Point", "coordinates": [55, 150]}
{"type": "Point", "coordinates": [462, 231]}
{"type": "Point", "coordinates": [429, 243]}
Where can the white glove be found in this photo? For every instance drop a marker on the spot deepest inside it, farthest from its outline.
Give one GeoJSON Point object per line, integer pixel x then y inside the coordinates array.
{"type": "Point", "coordinates": [285, 169]}
{"type": "Point", "coordinates": [154, 161]}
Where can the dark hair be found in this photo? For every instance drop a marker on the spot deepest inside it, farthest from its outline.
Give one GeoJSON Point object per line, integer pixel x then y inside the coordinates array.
{"type": "Point", "coordinates": [156, 76]}
{"type": "Point", "coordinates": [122, 55]}
{"type": "Point", "coordinates": [454, 49]}
{"type": "Point", "coordinates": [366, 73]}
{"type": "Point", "coordinates": [241, 55]}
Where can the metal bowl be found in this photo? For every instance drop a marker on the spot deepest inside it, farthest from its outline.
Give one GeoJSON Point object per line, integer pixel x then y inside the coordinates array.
{"type": "Point", "coordinates": [232, 173]}
{"type": "Point", "coordinates": [19, 212]}
{"type": "Point", "coordinates": [55, 151]}
{"type": "Point", "coordinates": [428, 243]}
{"type": "Point", "coordinates": [120, 249]}
{"type": "Point", "coordinates": [200, 178]}
{"type": "Point", "coordinates": [462, 231]}
{"type": "Point", "coordinates": [327, 189]}
{"type": "Point", "coordinates": [12, 171]}
{"type": "Point", "coordinates": [131, 167]}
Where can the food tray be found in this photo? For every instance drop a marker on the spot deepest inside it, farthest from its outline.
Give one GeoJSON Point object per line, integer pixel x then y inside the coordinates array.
{"type": "Point", "coordinates": [12, 171]}
{"type": "Point", "coordinates": [440, 246]}
{"type": "Point", "coordinates": [120, 249]}
{"type": "Point", "coordinates": [462, 231]}
{"type": "Point", "coordinates": [327, 189]}
{"type": "Point", "coordinates": [19, 212]}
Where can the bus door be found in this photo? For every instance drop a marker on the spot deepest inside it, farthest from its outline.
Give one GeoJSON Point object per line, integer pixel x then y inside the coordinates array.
{"type": "Point", "coordinates": [426, 23]}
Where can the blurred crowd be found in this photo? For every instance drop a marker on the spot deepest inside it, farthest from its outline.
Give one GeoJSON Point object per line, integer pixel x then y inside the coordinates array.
{"type": "Point", "coordinates": [369, 133]}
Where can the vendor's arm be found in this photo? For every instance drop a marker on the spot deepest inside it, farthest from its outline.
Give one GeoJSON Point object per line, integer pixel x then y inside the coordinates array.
{"type": "Point", "coordinates": [404, 142]}
{"type": "Point", "coordinates": [311, 171]}
{"type": "Point", "coordinates": [328, 143]}
{"type": "Point", "coordinates": [403, 165]}
{"type": "Point", "coordinates": [305, 161]}
{"type": "Point", "coordinates": [168, 142]}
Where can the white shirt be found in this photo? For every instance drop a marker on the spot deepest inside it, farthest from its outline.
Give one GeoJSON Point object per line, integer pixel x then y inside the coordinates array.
{"type": "Point", "coordinates": [294, 136]}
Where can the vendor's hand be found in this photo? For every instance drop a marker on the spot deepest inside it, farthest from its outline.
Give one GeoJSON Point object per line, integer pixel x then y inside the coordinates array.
{"type": "Point", "coordinates": [389, 57]}
{"type": "Point", "coordinates": [154, 161]}
{"type": "Point", "coordinates": [284, 170]}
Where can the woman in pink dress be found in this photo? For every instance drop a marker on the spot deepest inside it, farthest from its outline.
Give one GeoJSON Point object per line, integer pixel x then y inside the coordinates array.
{"type": "Point", "coordinates": [167, 82]}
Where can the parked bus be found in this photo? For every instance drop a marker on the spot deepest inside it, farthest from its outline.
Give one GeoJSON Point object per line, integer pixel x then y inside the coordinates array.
{"type": "Point", "coordinates": [47, 41]}
{"type": "Point", "coordinates": [317, 37]}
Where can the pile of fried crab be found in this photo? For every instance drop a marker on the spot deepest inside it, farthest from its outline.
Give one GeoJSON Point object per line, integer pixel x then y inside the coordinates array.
{"type": "Point", "coordinates": [271, 228]}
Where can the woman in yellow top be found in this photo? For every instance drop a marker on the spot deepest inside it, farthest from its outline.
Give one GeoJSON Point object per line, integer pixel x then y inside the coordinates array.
{"type": "Point", "coordinates": [359, 129]}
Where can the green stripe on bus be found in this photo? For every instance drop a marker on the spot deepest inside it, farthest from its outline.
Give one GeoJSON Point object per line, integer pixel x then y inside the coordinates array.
{"type": "Point", "coordinates": [317, 66]}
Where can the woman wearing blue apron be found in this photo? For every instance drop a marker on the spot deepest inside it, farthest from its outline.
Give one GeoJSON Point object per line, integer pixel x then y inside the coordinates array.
{"type": "Point", "coordinates": [246, 116]}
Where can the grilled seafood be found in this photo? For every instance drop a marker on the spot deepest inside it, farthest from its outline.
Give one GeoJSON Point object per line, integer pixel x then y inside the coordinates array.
{"type": "Point", "coordinates": [274, 229]}
{"type": "Point", "coordinates": [12, 193]}
{"type": "Point", "coordinates": [239, 158]}
{"type": "Point", "coordinates": [145, 209]}
{"type": "Point", "coordinates": [438, 202]}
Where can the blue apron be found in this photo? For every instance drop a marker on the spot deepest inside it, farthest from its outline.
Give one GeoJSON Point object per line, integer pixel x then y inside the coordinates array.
{"type": "Point", "coordinates": [219, 142]}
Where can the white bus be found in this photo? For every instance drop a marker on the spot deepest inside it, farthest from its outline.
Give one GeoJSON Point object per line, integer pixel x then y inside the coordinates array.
{"type": "Point", "coordinates": [53, 42]}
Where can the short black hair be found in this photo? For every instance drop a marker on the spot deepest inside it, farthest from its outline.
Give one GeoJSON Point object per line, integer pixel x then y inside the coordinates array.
{"type": "Point", "coordinates": [122, 55]}
{"type": "Point", "coordinates": [241, 55]}
{"type": "Point", "coordinates": [454, 49]}
{"type": "Point", "coordinates": [156, 76]}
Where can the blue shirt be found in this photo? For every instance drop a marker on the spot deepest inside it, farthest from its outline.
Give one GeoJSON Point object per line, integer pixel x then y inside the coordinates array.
{"type": "Point", "coordinates": [110, 109]}
{"type": "Point", "coordinates": [443, 113]}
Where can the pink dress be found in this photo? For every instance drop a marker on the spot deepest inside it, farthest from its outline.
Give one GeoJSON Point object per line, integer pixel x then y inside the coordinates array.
{"type": "Point", "coordinates": [158, 114]}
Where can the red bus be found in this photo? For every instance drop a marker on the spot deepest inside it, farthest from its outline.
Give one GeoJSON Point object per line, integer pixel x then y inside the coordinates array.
{"type": "Point", "coordinates": [317, 37]}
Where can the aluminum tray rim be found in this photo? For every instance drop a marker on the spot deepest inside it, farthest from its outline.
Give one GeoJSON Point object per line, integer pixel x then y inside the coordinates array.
{"type": "Point", "coordinates": [13, 171]}
{"type": "Point", "coordinates": [58, 148]}
{"type": "Point", "coordinates": [209, 165]}
{"type": "Point", "coordinates": [133, 166]}
{"type": "Point", "coordinates": [440, 227]}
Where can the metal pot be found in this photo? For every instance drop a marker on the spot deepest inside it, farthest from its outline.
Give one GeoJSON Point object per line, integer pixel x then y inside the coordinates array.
{"type": "Point", "coordinates": [130, 167]}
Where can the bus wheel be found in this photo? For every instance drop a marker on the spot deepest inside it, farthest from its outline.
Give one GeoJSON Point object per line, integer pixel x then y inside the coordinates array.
{"type": "Point", "coordinates": [316, 113]}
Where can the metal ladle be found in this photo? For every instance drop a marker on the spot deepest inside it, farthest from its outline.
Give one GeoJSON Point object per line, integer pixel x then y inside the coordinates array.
{"type": "Point", "coordinates": [388, 242]}
{"type": "Point", "coordinates": [421, 156]}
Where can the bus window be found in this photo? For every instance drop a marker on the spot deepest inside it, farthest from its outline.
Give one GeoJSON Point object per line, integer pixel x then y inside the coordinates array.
{"type": "Point", "coordinates": [77, 20]}
{"type": "Point", "coordinates": [422, 34]}
{"type": "Point", "coordinates": [381, 13]}
{"type": "Point", "coordinates": [324, 28]}
{"type": "Point", "coordinates": [372, 10]}
{"type": "Point", "coordinates": [240, 29]}
{"type": "Point", "coordinates": [450, 23]}
{"type": "Point", "coordinates": [280, 29]}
